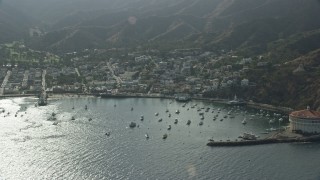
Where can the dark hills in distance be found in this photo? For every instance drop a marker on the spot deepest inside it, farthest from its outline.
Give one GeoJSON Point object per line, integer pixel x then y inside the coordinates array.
{"type": "Point", "coordinates": [248, 25]}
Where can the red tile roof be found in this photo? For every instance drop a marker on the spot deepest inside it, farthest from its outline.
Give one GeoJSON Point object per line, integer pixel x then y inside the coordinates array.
{"type": "Point", "coordinates": [308, 114]}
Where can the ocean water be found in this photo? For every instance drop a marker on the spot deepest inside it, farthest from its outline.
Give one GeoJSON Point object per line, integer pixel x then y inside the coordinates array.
{"type": "Point", "coordinates": [31, 147]}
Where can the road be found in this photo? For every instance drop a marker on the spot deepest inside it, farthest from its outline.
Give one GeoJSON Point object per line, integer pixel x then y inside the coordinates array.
{"type": "Point", "coordinates": [117, 78]}
{"type": "Point", "coordinates": [77, 71]}
{"type": "Point", "coordinates": [4, 83]}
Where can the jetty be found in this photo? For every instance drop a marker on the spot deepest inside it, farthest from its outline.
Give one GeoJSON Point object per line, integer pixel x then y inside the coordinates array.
{"type": "Point", "coordinates": [42, 101]}
{"type": "Point", "coordinates": [277, 138]}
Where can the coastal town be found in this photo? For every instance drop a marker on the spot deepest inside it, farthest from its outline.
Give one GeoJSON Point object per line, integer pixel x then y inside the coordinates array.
{"type": "Point", "coordinates": [159, 89]}
{"type": "Point", "coordinates": [188, 73]}
{"type": "Point", "coordinates": [115, 72]}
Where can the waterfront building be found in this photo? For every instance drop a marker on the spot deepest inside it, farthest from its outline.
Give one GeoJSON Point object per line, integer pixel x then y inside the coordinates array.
{"type": "Point", "coordinates": [305, 121]}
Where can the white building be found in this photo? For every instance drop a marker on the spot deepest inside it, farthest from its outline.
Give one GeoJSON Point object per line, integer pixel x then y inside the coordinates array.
{"type": "Point", "coordinates": [244, 82]}
{"type": "Point", "coordinates": [305, 121]}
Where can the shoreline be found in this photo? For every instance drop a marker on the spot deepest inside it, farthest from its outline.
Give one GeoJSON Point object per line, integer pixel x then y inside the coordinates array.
{"type": "Point", "coordinates": [17, 95]}
{"type": "Point", "coordinates": [254, 105]}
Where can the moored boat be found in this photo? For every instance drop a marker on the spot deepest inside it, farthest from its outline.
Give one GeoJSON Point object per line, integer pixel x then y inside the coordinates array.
{"type": "Point", "coordinates": [248, 136]}
{"type": "Point", "coordinates": [132, 125]}
{"type": "Point", "coordinates": [176, 121]}
{"type": "Point", "coordinates": [164, 136]}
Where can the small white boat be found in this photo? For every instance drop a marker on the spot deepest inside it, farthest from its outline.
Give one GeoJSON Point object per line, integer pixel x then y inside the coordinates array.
{"type": "Point", "coordinates": [142, 118]}
{"type": "Point", "coordinates": [177, 111]}
{"type": "Point", "coordinates": [271, 129]}
{"type": "Point", "coordinates": [156, 114]}
{"type": "Point", "coordinates": [248, 136]}
{"type": "Point", "coordinates": [169, 127]}
{"type": "Point", "coordinates": [200, 123]}
{"type": "Point", "coordinates": [160, 119]}
{"type": "Point", "coordinates": [146, 135]}
{"type": "Point", "coordinates": [244, 121]}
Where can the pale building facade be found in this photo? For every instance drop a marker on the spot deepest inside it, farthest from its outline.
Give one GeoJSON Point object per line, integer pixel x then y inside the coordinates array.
{"type": "Point", "coordinates": [305, 121]}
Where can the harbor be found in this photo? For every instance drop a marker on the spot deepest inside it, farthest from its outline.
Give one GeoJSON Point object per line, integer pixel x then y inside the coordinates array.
{"type": "Point", "coordinates": [86, 134]}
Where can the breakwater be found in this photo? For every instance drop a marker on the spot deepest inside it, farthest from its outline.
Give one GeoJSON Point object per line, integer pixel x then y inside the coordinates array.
{"type": "Point", "coordinates": [269, 107]}
{"type": "Point", "coordinates": [315, 138]}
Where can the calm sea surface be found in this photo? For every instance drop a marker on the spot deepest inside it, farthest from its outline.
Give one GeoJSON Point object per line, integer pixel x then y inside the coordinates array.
{"type": "Point", "coordinates": [31, 147]}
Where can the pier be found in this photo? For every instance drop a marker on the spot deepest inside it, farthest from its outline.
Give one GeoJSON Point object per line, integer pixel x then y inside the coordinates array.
{"type": "Point", "coordinates": [43, 95]}
{"type": "Point", "coordinates": [271, 140]}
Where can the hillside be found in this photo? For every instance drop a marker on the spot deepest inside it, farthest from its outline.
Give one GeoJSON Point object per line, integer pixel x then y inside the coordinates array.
{"type": "Point", "coordinates": [14, 24]}
{"type": "Point", "coordinates": [287, 87]}
{"type": "Point", "coordinates": [247, 25]}
{"type": "Point", "coordinates": [286, 33]}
